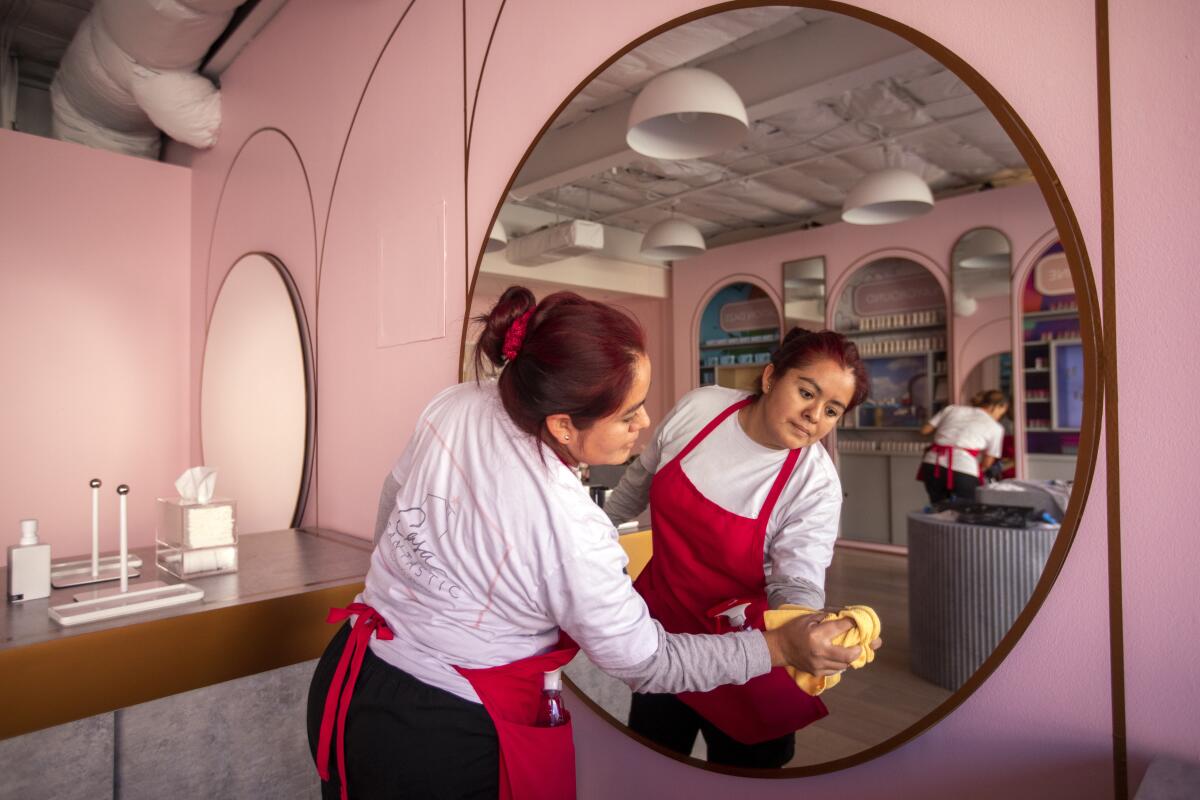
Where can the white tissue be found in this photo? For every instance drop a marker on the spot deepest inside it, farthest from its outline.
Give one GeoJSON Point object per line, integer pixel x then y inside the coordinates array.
{"type": "Point", "coordinates": [197, 484]}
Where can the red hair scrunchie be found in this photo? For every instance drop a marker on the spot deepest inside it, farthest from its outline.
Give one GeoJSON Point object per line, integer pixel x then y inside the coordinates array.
{"type": "Point", "coordinates": [516, 335]}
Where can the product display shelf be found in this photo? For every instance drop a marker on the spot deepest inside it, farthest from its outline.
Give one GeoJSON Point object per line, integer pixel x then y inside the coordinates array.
{"type": "Point", "coordinates": [743, 377]}
{"type": "Point", "coordinates": [1052, 314]}
{"type": "Point", "coordinates": [939, 326]}
{"type": "Point", "coordinates": [1045, 333]}
{"type": "Point", "coordinates": [729, 344]}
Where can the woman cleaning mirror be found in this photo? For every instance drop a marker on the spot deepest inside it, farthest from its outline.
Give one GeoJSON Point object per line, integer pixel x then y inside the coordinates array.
{"type": "Point", "coordinates": [590, 212]}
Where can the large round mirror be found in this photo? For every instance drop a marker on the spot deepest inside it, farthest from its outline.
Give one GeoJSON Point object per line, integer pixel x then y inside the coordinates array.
{"type": "Point", "coordinates": [832, 102]}
{"type": "Point", "coordinates": [256, 402]}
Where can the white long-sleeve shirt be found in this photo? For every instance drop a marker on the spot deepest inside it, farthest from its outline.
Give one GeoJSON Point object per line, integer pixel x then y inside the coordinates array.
{"type": "Point", "coordinates": [736, 473]}
{"type": "Point", "coordinates": [491, 544]}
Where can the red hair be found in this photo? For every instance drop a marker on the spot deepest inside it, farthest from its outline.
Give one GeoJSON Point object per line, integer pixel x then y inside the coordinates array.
{"type": "Point", "coordinates": [803, 347]}
{"type": "Point", "coordinates": [576, 357]}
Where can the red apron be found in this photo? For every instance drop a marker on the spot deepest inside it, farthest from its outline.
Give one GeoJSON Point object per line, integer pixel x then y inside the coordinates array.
{"type": "Point", "coordinates": [535, 762]}
{"type": "Point", "coordinates": [947, 450]}
{"type": "Point", "coordinates": [704, 557]}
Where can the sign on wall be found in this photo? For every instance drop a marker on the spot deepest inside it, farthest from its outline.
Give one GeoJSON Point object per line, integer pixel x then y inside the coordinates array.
{"type": "Point", "coordinates": [903, 293]}
{"type": "Point", "coordinates": [1052, 275]}
{"type": "Point", "coordinates": [749, 315]}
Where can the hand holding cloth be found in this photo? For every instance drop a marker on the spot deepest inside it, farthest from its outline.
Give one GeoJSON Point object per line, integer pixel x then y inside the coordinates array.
{"type": "Point", "coordinates": [866, 629]}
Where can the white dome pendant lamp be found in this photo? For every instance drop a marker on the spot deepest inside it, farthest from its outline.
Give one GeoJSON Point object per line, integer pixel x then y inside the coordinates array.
{"type": "Point", "coordinates": [888, 195]}
{"type": "Point", "coordinates": [672, 240]}
{"type": "Point", "coordinates": [686, 113]}
{"type": "Point", "coordinates": [497, 239]}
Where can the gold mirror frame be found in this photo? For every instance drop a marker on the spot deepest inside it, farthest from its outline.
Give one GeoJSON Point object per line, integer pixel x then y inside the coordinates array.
{"type": "Point", "coordinates": [1071, 237]}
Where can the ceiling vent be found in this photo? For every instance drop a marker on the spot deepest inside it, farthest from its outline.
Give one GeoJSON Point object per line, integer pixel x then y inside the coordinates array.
{"type": "Point", "coordinates": [555, 243]}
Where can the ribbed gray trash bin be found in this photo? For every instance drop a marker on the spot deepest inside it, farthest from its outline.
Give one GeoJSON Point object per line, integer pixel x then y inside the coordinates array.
{"type": "Point", "coordinates": [967, 584]}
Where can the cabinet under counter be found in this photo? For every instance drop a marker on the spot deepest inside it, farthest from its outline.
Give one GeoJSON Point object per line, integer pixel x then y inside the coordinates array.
{"type": "Point", "coordinates": [269, 614]}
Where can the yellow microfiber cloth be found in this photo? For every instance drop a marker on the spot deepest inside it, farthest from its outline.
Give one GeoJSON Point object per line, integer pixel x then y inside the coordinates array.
{"type": "Point", "coordinates": [867, 629]}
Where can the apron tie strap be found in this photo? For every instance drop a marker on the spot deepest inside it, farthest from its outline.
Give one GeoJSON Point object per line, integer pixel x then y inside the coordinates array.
{"type": "Point", "coordinates": [337, 701]}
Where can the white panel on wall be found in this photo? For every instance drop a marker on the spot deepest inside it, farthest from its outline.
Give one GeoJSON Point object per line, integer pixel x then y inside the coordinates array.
{"type": "Point", "coordinates": [412, 276]}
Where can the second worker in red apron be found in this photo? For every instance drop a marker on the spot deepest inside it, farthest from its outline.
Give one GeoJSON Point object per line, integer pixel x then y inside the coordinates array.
{"type": "Point", "coordinates": [744, 504]}
{"type": "Point", "coordinates": [966, 441]}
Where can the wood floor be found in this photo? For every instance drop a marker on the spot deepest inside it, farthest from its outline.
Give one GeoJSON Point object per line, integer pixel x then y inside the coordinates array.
{"type": "Point", "coordinates": [871, 704]}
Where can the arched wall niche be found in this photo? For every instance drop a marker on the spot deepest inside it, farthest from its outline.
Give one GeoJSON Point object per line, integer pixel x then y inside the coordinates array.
{"type": "Point", "coordinates": [977, 346]}
{"type": "Point", "coordinates": [710, 292]}
{"type": "Point", "coordinates": [265, 205]}
{"type": "Point", "coordinates": [1021, 269]}
{"type": "Point", "coordinates": [1051, 191]}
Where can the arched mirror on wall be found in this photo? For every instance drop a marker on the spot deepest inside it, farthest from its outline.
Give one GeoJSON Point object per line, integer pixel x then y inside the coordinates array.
{"type": "Point", "coordinates": [256, 396]}
{"type": "Point", "coordinates": [981, 282]}
{"type": "Point", "coordinates": [831, 102]}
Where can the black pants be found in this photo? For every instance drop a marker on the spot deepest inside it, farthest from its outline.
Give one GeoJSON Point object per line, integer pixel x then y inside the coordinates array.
{"type": "Point", "coordinates": [666, 720]}
{"type": "Point", "coordinates": [964, 484]}
{"type": "Point", "coordinates": [404, 738]}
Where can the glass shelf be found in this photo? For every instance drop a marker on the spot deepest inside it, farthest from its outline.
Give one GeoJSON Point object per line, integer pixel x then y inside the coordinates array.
{"type": "Point", "coordinates": [941, 326]}
{"type": "Point", "coordinates": [748, 341]}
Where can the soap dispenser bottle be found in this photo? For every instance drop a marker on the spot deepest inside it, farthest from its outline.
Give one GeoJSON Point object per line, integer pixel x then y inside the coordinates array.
{"type": "Point", "coordinates": [733, 619]}
{"type": "Point", "coordinates": [28, 566]}
{"type": "Point", "coordinates": [551, 711]}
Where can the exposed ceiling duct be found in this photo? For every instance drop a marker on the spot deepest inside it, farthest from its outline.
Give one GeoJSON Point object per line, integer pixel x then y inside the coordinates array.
{"type": "Point", "coordinates": [130, 72]}
{"type": "Point", "coordinates": [556, 243]}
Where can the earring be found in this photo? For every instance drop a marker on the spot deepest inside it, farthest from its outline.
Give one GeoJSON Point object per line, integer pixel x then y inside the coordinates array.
{"type": "Point", "coordinates": [566, 438]}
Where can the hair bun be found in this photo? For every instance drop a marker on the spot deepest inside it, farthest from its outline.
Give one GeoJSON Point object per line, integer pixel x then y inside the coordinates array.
{"type": "Point", "coordinates": [795, 333]}
{"type": "Point", "coordinates": [515, 302]}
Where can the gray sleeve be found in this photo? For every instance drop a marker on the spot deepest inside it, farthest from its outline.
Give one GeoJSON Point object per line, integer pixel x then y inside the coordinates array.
{"type": "Point", "coordinates": [632, 494]}
{"type": "Point", "coordinates": [686, 662]}
{"type": "Point", "coordinates": [799, 547]}
{"type": "Point", "coordinates": [387, 502]}
{"type": "Point", "coordinates": [795, 591]}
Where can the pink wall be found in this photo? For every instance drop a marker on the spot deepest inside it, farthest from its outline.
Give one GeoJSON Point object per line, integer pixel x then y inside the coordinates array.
{"type": "Point", "coordinates": [94, 319]}
{"type": "Point", "coordinates": [1034, 729]}
{"type": "Point", "coordinates": [1155, 174]}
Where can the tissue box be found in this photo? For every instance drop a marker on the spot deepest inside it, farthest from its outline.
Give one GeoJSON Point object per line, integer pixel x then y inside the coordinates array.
{"type": "Point", "coordinates": [186, 562]}
{"type": "Point", "coordinates": [193, 525]}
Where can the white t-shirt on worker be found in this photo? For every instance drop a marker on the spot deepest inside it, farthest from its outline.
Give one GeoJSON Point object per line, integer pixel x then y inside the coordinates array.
{"type": "Point", "coordinates": [735, 472]}
{"type": "Point", "coordinates": [492, 546]}
{"type": "Point", "coordinates": [965, 427]}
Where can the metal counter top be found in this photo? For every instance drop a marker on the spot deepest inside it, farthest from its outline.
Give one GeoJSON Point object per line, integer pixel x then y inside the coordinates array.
{"type": "Point", "coordinates": [268, 614]}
